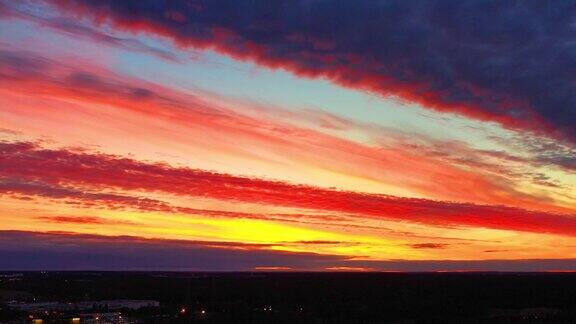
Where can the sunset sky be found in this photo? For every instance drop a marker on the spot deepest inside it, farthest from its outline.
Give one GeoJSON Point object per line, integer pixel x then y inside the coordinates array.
{"type": "Point", "coordinates": [320, 135]}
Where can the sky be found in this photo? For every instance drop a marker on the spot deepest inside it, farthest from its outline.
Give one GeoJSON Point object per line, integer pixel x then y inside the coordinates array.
{"type": "Point", "coordinates": [261, 135]}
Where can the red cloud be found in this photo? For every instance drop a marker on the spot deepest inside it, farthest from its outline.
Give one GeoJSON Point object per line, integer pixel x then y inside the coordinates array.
{"type": "Point", "coordinates": [30, 163]}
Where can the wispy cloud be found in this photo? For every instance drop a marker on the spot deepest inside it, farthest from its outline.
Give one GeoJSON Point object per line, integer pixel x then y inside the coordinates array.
{"type": "Point", "coordinates": [428, 245]}
{"type": "Point", "coordinates": [85, 220]}
{"type": "Point", "coordinates": [84, 31]}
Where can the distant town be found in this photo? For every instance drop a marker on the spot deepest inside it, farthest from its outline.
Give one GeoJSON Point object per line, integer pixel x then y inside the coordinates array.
{"type": "Point", "coordinates": [125, 297]}
{"type": "Point", "coordinates": [102, 311]}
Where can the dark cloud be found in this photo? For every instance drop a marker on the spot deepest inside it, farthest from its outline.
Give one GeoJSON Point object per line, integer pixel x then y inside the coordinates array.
{"type": "Point", "coordinates": [538, 152]}
{"type": "Point", "coordinates": [86, 81]}
{"type": "Point", "coordinates": [428, 245]}
{"type": "Point", "coordinates": [505, 61]}
{"type": "Point", "coordinates": [55, 251]}
{"type": "Point", "coordinates": [19, 65]}
{"type": "Point", "coordinates": [86, 220]}
{"type": "Point", "coordinates": [319, 242]}
{"type": "Point", "coordinates": [68, 251]}
{"type": "Point", "coordinates": [544, 152]}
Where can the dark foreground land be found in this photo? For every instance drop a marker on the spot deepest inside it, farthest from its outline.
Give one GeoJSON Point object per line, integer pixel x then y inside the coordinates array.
{"type": "Point", "coordinates": [40, 297]}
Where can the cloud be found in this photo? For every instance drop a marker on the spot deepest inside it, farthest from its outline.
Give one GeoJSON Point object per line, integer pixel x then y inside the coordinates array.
{"type": "Point", "coordinates": [506, 62]}
{"type": "Point", "coordinates": [83, 31]}
{"type": "Point", "coordinates": [20, 250]}
{"type": "Point", "coordinates": [79, 197]}
{"type": "Point", "coordinates": [320, 242]}
{"type": "Point", "coordinates": [402, 165]}
{"type": "Point", "coordinates": [32, 164]}
{"type": "Point", "coordinates": [86, 220]}
{"type": "Point", "coordinates": [543, 152]}
{"type": "Point", "coordinates": [59, 251]}
{"type": "Point", "coordinates": [9, 131]}
{"type": "Point", "coordinates": [95, 199]}
{"type": "Point", "coordinates": [428, 245]}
